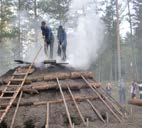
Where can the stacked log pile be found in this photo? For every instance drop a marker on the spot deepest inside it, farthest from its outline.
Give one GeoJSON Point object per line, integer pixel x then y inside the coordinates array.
{"type": "Point", "coordinates": [73, 89]}
{"type": "Point", "coordinates": [33, 84]}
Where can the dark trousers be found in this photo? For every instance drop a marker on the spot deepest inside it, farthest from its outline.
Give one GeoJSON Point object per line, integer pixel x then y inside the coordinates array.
{"type": "Point", "coordinates": [49, 44]}
{"type": "Point", "coordinates": [61, 50]}
{"type": "Point", "coordinates": [122, 95]}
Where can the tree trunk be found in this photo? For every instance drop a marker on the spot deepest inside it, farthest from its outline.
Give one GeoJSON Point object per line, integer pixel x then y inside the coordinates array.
{"type": "Point", "coordinates": [135, 70]}
{"type": "Point", "coordinates": [1, 9]}
{"type": "Point", "coordinates": [35, 17]}
{"type": "Point", "coordinates": [118, 42]}
{"type": "Point", "coordinates": [19, 43]}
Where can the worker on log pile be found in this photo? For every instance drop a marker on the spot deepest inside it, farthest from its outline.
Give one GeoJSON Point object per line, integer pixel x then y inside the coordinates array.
{"type": "Point", "coordinates": [62, 42]}
{"type": "Point", "coordinates": [48, 38]}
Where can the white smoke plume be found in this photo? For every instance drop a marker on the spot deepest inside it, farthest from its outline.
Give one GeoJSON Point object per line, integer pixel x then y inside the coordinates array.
{"type": "Point", "coordinates": [86, 39]}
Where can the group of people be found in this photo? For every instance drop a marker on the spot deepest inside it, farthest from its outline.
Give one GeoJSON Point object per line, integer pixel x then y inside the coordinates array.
{"type": "Point", "coordinates": [122, 90]}
{"type": "Point", "coordinates": [49, 40]}
{"type": "Point", "coordinates": [134, 86]}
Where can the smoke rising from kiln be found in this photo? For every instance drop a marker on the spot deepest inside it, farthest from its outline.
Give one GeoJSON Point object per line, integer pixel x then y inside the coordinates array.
{"type": "Point", "coordinates": [86, 39]}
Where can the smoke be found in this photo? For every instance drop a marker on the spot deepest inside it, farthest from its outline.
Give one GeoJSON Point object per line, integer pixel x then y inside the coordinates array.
{"type": "Point", "coordinates": [86, 39]}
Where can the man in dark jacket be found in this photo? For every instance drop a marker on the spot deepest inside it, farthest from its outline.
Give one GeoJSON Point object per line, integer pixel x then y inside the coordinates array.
{"type": "Point", "coordinates": [62, 42]}
{"type": "Point", "coordinates": [48, 38]}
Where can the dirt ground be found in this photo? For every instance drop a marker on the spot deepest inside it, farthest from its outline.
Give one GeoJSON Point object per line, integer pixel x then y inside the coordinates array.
{"type": "Point", "coordinates": [134, 119]}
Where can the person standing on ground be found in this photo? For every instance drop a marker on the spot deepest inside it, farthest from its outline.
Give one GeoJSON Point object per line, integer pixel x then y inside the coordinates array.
{"type": "Point", "coordinates": [108, 89]}
{"type": "Point", "coordinates": [48, 38]}
{"type": "Point", "coordinates": [122, 91]}
{"type": "Point", "coordinates": [133, 89]}
{"type": "Point", "coordinates": [62, 42]}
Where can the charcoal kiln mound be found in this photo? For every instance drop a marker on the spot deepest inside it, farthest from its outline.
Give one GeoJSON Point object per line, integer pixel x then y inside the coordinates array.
{"type": "Point", "coordinates": [60, 97]}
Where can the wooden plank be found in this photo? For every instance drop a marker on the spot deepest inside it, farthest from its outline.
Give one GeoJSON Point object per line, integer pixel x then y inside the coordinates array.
{"type": "Point", "coordinates": [14, 116]}
{"type": "Point", "coordinates": [66, 107]}
{"type": "Point", "coordinates": [12, 85]}
{"type": "Point", "coordinates": [47, 115]}
{"type": "Point", "coordinates": [22, 62]}
{"type": "Point", "coordinates": [2, 110]}
{"type": "Point", "coordinates": [19, 74]}
{"type": "Point", "coordinates": [95, 109]}
{"type": "Point", "coordinates": [115, 115]}
{"type": "Point", "coordinates": [77, 107]}
{"type": "Point", "coordinates": [49, 61]}
{"type": "Point", "coordinates": [6, 97]}
{"type": "Point", "coordinates": [3, 105]}
{"type": "Point", "coordinates": [19, 80]}
{"type": "Point", "coordinates": [8, 91]}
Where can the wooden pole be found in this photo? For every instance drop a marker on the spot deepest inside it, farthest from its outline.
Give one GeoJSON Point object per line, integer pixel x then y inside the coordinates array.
{"type": "Point", "coordinates": [14, 116]}
{"type": "Point", "coordinates": [102, 100]}
{"type": "Point", "coordinates": [113, 105]}
{"type": "Point", "coordinates": [77, 107]}
{"type": "Point", "coordinates": [66, 107]}
{"type": "Point", "coordinates": [47, 115]}
{"type": "Point", "coordinates": [95, 109]}
{"type": "Point", "coordinates": [118, 104]}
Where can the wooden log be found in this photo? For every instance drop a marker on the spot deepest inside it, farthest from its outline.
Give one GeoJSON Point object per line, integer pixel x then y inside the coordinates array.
{"type": "Point", "coordinates": [77, 98]}
{"type": "Point", "coordinates": [72, 75]}
{"type": "Point", "coordinates": [53, 85]}
{"type": "Point", "coordinates": [58, 101]}
{"type": "Point", "coordinates": [36, 78]}
{"type": "Point", "coordinates": [24, 70]}
{"type": "Point", "coordinates": [52, 77]}
{"type": "Point", "coordinates": [135, 102]}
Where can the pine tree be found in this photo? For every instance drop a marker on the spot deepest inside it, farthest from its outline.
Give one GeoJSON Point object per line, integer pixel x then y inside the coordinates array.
{"type": "Point", "coordinates": [138, 32]}
{"type": "Point", "coordinates": [56, 9]}
{"type": "Point", "coordinates": [111, 38]}
{"type": "Point", "coordinates": [6, 15]}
